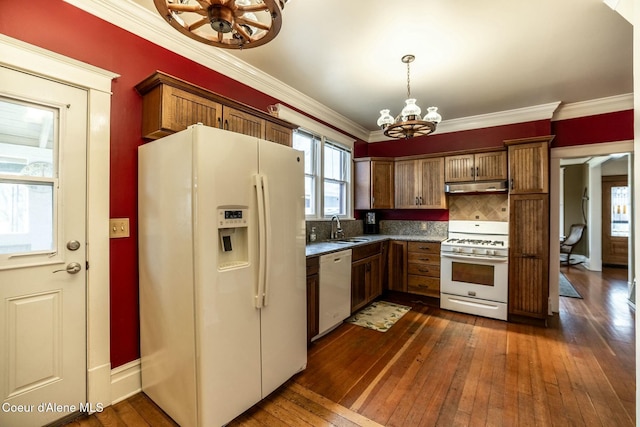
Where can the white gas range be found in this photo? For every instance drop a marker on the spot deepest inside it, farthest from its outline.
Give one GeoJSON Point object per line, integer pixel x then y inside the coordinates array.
{"type": "Point", "coordinates": [474, 268]}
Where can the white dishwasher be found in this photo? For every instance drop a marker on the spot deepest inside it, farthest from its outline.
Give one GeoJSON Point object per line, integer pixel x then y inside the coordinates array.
{"type": "Point", "coordinates": [335, 290]}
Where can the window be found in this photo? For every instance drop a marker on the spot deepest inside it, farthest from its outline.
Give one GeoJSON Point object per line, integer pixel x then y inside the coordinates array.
{"type": "Point", "coordinates": [327, 175]}
{"type": "Point", "coordinates": [27, 177]}
{"type": "Point", "coordinates": [336, 179]}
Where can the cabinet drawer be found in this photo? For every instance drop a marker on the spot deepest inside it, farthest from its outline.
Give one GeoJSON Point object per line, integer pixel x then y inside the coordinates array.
{"type": "Point", "coordinates": [425, 247]}
{"type": "Point", "coordinates": [364, 251]}
{"type": "Point", "coordinates": [313, 265]}
{"type": "Point", "coordinates": [430, 270]}
{"type": "Point", "coordinates": [421, 258]}
{"type": "Point", "coordinates": [424, 285]}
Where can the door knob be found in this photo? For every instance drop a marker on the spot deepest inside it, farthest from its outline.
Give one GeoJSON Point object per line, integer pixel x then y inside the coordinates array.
{"type": "Point", "coordinates": [72, 268]}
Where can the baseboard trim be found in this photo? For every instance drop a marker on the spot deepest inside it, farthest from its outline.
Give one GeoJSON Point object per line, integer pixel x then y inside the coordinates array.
{"type": "Point", "coordinates": [125, 381]}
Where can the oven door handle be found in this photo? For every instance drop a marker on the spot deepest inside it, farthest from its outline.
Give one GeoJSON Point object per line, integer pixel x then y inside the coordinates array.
{"type": "Point", "coordinates": [473, 257]}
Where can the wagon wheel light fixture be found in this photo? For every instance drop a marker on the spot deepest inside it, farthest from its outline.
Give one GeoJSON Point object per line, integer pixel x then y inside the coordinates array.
{"type": "Point", "coordinates": [229, 24]}
{"type": "Point", "coordinates": [409, 123]}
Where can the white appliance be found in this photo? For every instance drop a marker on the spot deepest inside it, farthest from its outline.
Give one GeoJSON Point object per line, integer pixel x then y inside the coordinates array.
{"type": "Point", "coordinates": [222, 272]}
{"type": "Point", "coordinates": [474, 270]}
{"type": "Point", "coordinates": [335, 290]}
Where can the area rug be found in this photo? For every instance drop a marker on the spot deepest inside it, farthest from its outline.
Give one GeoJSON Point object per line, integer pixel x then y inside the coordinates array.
{"type": "Point", "coordinates": [567, 289]}
{"type": "Point", "coordinates": [379, 316]}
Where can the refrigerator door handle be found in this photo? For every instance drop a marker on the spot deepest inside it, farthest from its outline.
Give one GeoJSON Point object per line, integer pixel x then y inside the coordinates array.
{"type": "Point", "coordinates": [261, 242]}
{"type": "Point", "coordinates": [268, 237]}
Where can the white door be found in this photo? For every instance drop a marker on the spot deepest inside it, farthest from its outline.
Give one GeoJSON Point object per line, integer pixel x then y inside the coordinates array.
{"type": "Point", "coordinates": [43, 128]}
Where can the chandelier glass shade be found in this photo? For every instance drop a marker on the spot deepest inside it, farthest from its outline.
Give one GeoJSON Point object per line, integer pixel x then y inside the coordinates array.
{"type": "Point", "coordinates": [229, 24]}
{"type": "Point", "coordinates": [409, 122]}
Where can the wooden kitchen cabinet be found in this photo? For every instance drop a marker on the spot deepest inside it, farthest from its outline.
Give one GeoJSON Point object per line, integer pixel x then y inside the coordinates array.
{"type": "Point", "coordinates": [529, 256]}
{"type": "Point", "coordinates": [241, 122]}
{"type": "Point", "coordinates": [397, 266]}
{"type": "Point", "coordinates": [419, 184]}
{"type": "Point", "coordinates": [529, 165]}
{"type": "Point", "coordinates": [170, 104]}
{"type": "Point", "coordinates": [486, 166]}
{"type": "Point", "coordinates": [529, 228]}
{"type": "Point", "coordinates": [423, 268]}
{"type": "Point", "coordinates": [313, 297]}
{"type": "Point", "coordinates": [366, 277]}
{"type": "Point", "coordinates": [374, 183]}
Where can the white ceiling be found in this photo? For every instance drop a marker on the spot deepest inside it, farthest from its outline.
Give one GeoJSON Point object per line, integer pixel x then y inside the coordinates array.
{"type": "Point", "coordinates": [472, 58]}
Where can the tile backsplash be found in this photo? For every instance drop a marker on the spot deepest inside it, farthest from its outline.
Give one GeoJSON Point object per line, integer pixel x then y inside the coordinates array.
{"type": "Point", "coordinates": [485, 207]}
{"type": "Point", "coordinates": [393, 227]}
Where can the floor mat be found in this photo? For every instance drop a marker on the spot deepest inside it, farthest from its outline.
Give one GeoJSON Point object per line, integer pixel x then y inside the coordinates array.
{"type": "Point", "coordinates": [379, 316]}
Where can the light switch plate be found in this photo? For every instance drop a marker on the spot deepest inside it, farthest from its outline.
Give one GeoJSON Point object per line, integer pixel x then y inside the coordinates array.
{"type": "Point", "coordinates": [118, 228]}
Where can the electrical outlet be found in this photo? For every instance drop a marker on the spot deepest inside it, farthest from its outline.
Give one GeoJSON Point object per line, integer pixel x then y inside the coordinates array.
{"type": "Point", "coordinates": [118, 228]}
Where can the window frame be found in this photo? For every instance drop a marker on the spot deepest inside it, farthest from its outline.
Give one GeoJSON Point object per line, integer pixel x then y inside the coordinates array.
{"type": "Point", "coordinates": [318, 149]}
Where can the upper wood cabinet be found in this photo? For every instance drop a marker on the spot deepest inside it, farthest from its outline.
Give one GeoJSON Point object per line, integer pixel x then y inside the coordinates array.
{"type": "Point", "coordinates": [489, 166]}
{"type": "Point", "coordinates": [169, 105]}
{"type": "Point", "coordinates": [529, 165]}
{"type": "Point", "coordinates": [419, 184]}
{"type": "Point", "coordinates": [373, 184]}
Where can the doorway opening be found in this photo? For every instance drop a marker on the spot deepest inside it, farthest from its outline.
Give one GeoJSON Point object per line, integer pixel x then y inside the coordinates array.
{"type": "Point", "coordinates": [577, 177]}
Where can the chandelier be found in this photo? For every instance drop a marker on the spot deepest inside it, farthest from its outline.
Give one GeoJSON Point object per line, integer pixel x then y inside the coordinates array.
{"type": "Point", "coordinates": [409, 123]}
{"type": "Point", "coordinates": [230, 24]}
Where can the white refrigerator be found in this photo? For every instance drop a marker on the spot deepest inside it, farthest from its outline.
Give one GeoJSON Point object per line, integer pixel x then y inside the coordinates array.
{"type": "Point", "coordinates": [222, 272]}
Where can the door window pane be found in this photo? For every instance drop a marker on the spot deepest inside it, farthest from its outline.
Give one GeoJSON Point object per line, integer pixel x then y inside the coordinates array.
{"type": "Point", "coordinates": [27, 177]}
{"type": "Point", "coordinates": [26, 217]}
{"type": "Point", "coordinates": [620, 211]}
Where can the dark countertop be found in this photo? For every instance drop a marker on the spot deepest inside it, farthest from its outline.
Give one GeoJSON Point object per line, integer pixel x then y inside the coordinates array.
{"type": "Point", "coordinates": [328, 246]}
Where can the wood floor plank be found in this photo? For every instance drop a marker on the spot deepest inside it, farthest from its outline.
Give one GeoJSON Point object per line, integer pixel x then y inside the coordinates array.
{"type": "Point", "coordinates": [440, 368]}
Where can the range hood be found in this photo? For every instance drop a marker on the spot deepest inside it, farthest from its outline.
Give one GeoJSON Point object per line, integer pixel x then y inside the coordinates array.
{"type": "Point", "coordinates": [476, 187]}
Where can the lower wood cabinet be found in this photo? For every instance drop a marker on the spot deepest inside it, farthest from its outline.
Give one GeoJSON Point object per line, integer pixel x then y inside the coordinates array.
{"type": "Point", "coordinates": [313, 297]}
{"type": "Point", "coordinates": [366, 274]}
{"type": "Point", "coordinates": [397, 266]}
{"type": "Point", "coordinates": [529, 256]}
{"type": "Point", "coordinates": [423, 268]}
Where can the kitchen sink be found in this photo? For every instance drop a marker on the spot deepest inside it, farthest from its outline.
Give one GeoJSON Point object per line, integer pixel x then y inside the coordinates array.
{"type": "Point", "coordinates": [352, 240]}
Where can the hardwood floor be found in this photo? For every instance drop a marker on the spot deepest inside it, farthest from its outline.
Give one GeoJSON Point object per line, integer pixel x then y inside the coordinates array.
{"type": "Point", "coordinates": [441, 368]}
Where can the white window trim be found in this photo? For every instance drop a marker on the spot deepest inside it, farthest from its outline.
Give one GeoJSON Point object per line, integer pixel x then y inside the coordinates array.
{"type": "Point", "coordinates": [312, 126]}
{"type": "Point", "coordinates": [325, 133]}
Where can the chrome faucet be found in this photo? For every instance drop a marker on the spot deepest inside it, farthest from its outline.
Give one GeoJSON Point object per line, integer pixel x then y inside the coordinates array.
{"type": "Point", "coordinates": [336, 230]}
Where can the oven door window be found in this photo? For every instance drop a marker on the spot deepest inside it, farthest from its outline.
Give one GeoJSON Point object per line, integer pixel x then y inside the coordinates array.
{"type": "Point", "coordinates": [477, 274]}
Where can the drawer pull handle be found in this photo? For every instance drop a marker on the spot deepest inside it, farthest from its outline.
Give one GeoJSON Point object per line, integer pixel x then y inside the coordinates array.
{"type": "Point", "coordinates": [422, 270]}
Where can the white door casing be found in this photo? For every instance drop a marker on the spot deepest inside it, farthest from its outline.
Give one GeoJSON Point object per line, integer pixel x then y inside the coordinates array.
{"type": "Point", "coordinates": [31, 59]}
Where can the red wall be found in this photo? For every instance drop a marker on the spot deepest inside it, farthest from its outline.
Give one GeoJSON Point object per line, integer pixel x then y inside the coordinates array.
{"type": "Point", "coordinates": [62, 28]}
{"type": "Point", "coordinates": [67, 30]}
{"type": "Point", "coordinates": [608, 127]}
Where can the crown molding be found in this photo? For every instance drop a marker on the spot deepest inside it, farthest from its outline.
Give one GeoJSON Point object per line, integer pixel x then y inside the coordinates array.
{"type": "Point", "coordinates": [594, 107]}
{"type": "Point", "coordinates": [150, 26]}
